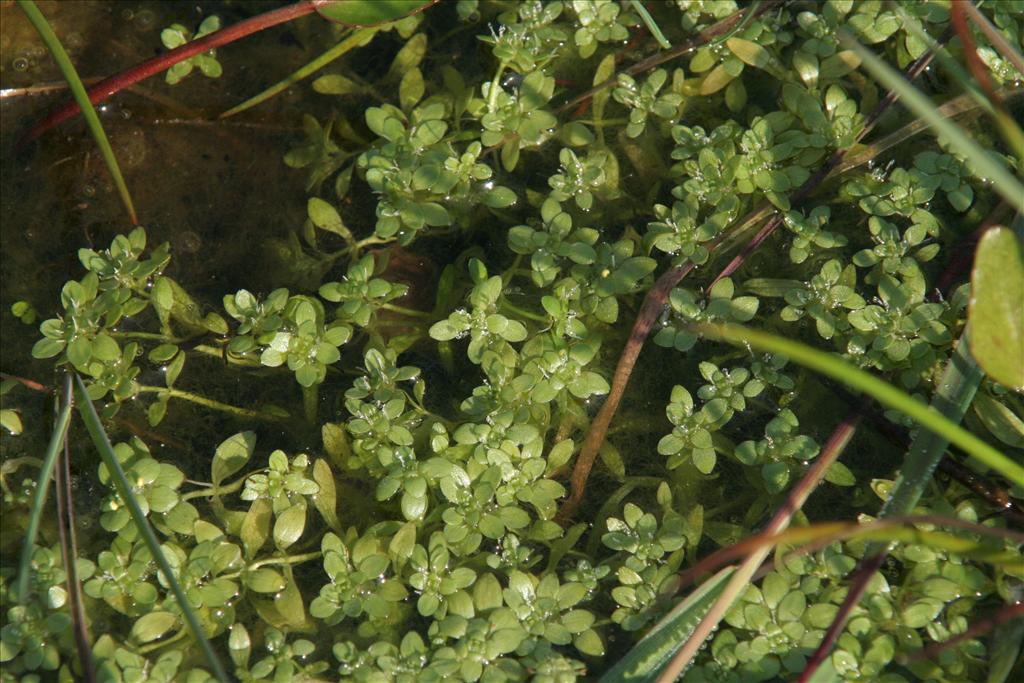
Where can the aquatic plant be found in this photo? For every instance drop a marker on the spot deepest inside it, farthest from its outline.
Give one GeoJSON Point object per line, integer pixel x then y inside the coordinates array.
{"type": "Point", "coordinates": [447, 476]}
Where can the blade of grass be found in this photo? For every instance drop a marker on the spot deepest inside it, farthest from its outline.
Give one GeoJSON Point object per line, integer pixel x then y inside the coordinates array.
{"type": "Point", "coordinates": [124, 489]}
{"type": "Point", "coordinates": [60, 432]}
{"type": "Point", "coordinates": [654, 649]}
{"type": "Point", "coordinates": [798, 495]}
{"type": "Point", "coordinates": [995, 37]}
{"type": "Point", "coordinates": [67, 69]}
{"type": "Point", "coordinates": [981, 162]}
{"type": "Point", "coordinates": [652, 26]}
{"type": "Point", "coordinates": [809, 539]}
{"type": "Point", "coordinates": [953, 396]}
{"type": "Point", "coordinates": [359, 38]}
{"type": "Point", "coordinates": [833, 366]}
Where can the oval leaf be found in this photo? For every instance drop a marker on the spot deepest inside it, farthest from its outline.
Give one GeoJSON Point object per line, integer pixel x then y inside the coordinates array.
{"type": "Point", "coordinates": [370, 12]}
{"type": "Point", "coordinates": [995, 313]}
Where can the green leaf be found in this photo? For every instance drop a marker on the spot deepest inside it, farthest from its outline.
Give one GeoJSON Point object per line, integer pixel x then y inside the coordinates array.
{"type": "Point", "coordinates": [256, 526]}
{"type": "Point", "coordinates": [370, 12]}
{"type": "Point", "coordinates": [264, 580]}
{"type": "Point", "coordinates": [231, 455]}
{"type": "Point", "coordinates": [996, 313]}
{"type": "Point", "coordinates": [162, 294]}
{"type": "Point", "coordinates": [750, 52]}
{"type": "Point", "coordinates": [336, 84]}
{"type": "Point", "coordinates": [999, 420]}
{"type": "Point", "coordinates": [325, 500]}
{"type": "Point", "coordinates": [151, 626]}
{"type": "Point", "coordinates": [326, 217]}
{"type": "Point", "coordinates": [289, 526]}
{"type": "Point", "coordinates": [11, 421]}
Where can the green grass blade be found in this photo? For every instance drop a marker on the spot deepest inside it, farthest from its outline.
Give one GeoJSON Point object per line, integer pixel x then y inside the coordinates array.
{"type": "Point", "coordinates": [652, 26]}
{"type": "Point", "coordinates": [981, 162]}
{"type": "Point", "coordinates": [647, 657]}
{"type": "Point", "coordinates": [833, 366]}
{"type": "Point", "coordinates": [60, 432]}
{"type": "Point", "coordinates": [67, 69]}
{"type": "Point", "coordinates": [358, 38]}
{"type": "Point", "coordinates": [989, 99]}
{"type": "Point", "coordinates": [124, 489]}
{"type": "Point", "coordinates": [952, 399]}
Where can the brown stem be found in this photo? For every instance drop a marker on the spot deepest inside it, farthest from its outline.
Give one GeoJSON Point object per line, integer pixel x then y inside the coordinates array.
{"type": "Point", "coordinates": [649, 312]}
{"type": "Point", "coordinates": [1000, 616]}
{"type": "Point", "coordinates": [958, 18]}
{"type": "Point", "coordinates": [780, 521]}
{"type": "Point", "coordinates": [809, 185]}
{"type": "Point", "coordinates": [657, 296]}
{"type": "Point", "coordinates": [25, 382]}
{"type": "Point", "coordinates": [69, 551]}
{"type": "Point", "coordinates": [707, 35]}
{"type": "Point", "coordinates": [861, 579]}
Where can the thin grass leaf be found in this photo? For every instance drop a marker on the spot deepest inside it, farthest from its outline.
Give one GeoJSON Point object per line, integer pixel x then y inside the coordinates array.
{"type": "Point", "coordinates": [798, 495]}
{"type": "Point", "coordinates": [651, 24]}
{"type": "Point", "coordinates": [359, 38]}
{"type": "Point", "coordinates": [124, 489]}
{"type": "Point", "coordinates": [952, 399]}
{"type": "Point", "coordinates": [60, 432]}
{"type": "Point", "coordinates": [67, 69]}
{"type": "Point", "coordinates": [1006, 647]}
{"type": "Point", "coordinates": [981, 162]}
{"type": "Point", "coordinates": [954, 395]}
{"type": "Point", "coordinates": [995, 37]}
{"type": "Point", "coordinates": [648, 656]}
{"type": "Point", "coordinates": [833, 366]}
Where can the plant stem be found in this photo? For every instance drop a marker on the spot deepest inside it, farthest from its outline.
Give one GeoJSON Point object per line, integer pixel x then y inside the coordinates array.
{"type": "Point", "coordinates": [60, 432]}
{"type": "Point", "coordinates": [522, 312]}
{"type": "Point", "coordinates": [210, 403]}
{"type": "Point", "coordinates": [492, 91]}
{"type": "Point", "coordinates": [411, 312]}
{"type": "Point", "coordinates": [287, 560]}
{"type": "Point", "coordinates": [358, 38]}
{"type": "Point", "coordinates": [311, 402]}
{"type": "Point", "coordinates": [215, 490]}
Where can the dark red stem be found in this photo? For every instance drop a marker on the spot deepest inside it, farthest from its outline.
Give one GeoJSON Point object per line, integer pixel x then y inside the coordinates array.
{"type": "Point", "coordinates": [812, 183]}
{"type": "Point", "coordinates": [861, 579]}
{"type": "Point", "coordinates": [151, 67]}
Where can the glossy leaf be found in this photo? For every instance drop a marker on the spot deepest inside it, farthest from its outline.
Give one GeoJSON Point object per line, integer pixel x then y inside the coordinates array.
{"type": "Point", "coordinates": [996, 310]}
{"type": "Point", "coordinates": [370, 12]}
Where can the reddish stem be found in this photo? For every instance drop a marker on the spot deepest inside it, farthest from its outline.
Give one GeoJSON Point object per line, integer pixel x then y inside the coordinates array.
{"type": "Point", "coordinates": [658, 295]}
{"type": "Point", "coordinates": [1001, 616]}
{"type": "Point", "coordinates": [834, 161]}
{"type": "Point", "coordinates": [861, 579]}
{"type": "Point", "coordinates": [151, 67]}
{"type": "Point", "coordinates": [27, 383]}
